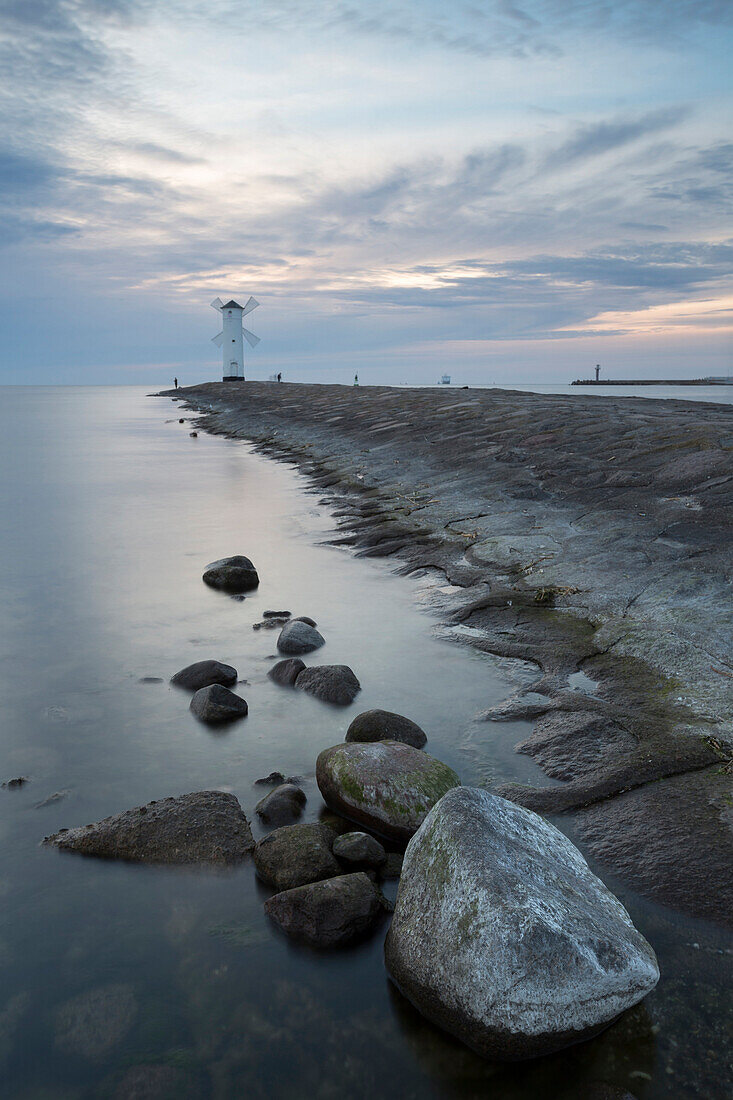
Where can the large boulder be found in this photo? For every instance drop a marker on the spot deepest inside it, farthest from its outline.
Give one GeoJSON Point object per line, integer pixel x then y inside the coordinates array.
{"type": "Point", "coordinates": [216, 704]}
{"type": "Point", "coordinates": [383, 725]}
{"type": "Point", "coordinates": [296, 855]}
{"type": "Point", "coordinates": [286, 672]}
{"type": "Point", "coordinates": [360, 849]}
{"type": "Point", "coordinates": [299, 637]}
{"type": "Point", "coordinates": [203, 827]}
{"type": "Point", "coordinates": [203, 673]}
{"type": "Point", "coordinates": [330, 913]}
{"type": "Point", "coordinates": [236, 574]}
{"type": "Point", "coordinates": [330, 683]}
{"type": "Point", "coordinates": [282, 805]}
{"type": "Point", "coordinates": [384, 785]}
{"type": "Point", "coordinates": [502, 935]}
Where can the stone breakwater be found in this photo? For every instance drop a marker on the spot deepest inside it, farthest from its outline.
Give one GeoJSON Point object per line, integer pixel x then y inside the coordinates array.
{"type": "Point", "coordinates": [583, 534]}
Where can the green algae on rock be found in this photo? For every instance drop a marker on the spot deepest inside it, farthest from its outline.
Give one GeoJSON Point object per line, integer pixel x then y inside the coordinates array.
{"type": "Point", "coordinates": [386, 786]}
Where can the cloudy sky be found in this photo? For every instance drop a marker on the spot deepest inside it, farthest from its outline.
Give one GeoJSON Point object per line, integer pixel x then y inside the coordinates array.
{"type": "Point", "coordinates": [504, 191]}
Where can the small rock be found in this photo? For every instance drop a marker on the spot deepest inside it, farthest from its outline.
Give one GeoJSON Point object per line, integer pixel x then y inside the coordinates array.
{"type": "Point", "coordinates": [295, 855]}
{"type": "Point", "coordinates": [299, 637]}
{"type": "Point", "coordinates": [181, 421]}
{"type": "Point", "coordinates": [236, 574]}
{"type": "Point", "coordinates": [277, 615]}
{"type": "Point", "coordinates": [274, 778]}
{"type": "Point", "coordinates": [150, 680]}
{"type": "Point", "coordinates": [281, 805]}
{"type": "Point", "coordinates": [52, 799]}
{"type": "Point", "coordinates": [393, 867]}
{"type": "Point", "coordinates": [331, 683]}
{"type": "Point", "coordinates": [383, 725]}
{"type": "Point", "coordinates": [216, 704]}
{"type": "Point", "coordinates": [269, 624]}
{"type": "Point", "coordinates": [305, 619]}
{"type": "Point", "coordinates": [93, 1023]}
{"type": "Point", "coordinates": [14, 784]}
{"type": "Point", "coordinates": [194, 435]}
{"type": "Point", "coordinates": [503, 936]}
{"type": "Point", "coordinates": [331, 913]}
{"type": "Point", "coordinates": [203, 674]}
{"type": "Point", "coordinates": [203, 827]}
{"type": "Point", "coordinates": [359, 848]}
{"type": "Point", "coordinates": [286, 672]}
{"type": "Point", "coordinates": [384, 785]}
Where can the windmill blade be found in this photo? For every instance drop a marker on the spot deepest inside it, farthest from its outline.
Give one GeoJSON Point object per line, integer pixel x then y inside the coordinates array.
{"type": "Point", "coordinates": [250, 337]}
{"type": "Point", "coordinates": [252, 303]}
{"type": "Point", "coordinates": [218, 339]}
{"type": "Point", "coordinates": [217, 303]}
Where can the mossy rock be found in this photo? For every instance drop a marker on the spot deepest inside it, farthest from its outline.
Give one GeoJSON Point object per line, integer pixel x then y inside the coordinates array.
{"type": "Point", "coordinates": [386, 786]}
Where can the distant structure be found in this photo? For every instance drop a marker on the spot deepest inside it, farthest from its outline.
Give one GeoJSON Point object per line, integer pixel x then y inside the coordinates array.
{"type": "Point", "coordinates": [230, 337]}
{"type": "Point", "coordinates": [444, 380]}
{"type": "Point", "coordinates": [598, 370]}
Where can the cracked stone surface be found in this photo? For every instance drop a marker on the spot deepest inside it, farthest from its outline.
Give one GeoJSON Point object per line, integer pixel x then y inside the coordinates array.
{"type": "Point", "coordinates": [575, 532]}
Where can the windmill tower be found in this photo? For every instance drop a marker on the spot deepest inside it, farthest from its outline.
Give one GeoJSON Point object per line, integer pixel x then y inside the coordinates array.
{"type": "Point", "coordinates": [230, 337]}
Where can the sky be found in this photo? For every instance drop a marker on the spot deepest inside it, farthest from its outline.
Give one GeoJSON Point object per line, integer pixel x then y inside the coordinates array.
{"type": "Point", "coordinates": [505, 192]}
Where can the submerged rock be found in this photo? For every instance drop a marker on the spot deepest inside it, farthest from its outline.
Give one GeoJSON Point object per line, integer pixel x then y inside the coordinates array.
{"type": "Point", "coordinates": [281, 805]}
{"type": "Point", "coordinates": [330, 683]}
{"type": "Point", "coordinates": [286, 672]}
{"type": "Point", "coordinates": [274, 778]}
{"type": "Point", "coordinates": [203, 827]}
{"type": "Point", "coordinates": [331, 913]}
{"type": "Point", "coordinates": [204, 673]}
{"type": "Point", "coordinates": [383, 725]}
{"type": "Point", "coordinates": [236, 574]}
{"type": "Point", "coordinates": [216, 704]}
{"type": "Point", "coordinates": [296, 855]}
{"type": "Point", "coordinates": [502, 935]}
{"type": "Point", "coordinates": [384, 785]}
{"type": "Point", "coordinates": [93, 1023]}
{"type": "Point", "coordinates": [359, 848]}
{"type": "Point", "coordinates": [15, 784]}
{"type": "Point", "coordinates": [299, 637]}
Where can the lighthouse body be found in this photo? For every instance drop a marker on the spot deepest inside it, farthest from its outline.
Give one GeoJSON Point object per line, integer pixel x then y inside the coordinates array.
{"type": "Point", "coordinates": [231, 347]}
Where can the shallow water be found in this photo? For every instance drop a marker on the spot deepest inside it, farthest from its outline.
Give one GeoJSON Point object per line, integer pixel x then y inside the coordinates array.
{"type": "Point", "coordinates": [109, 513]}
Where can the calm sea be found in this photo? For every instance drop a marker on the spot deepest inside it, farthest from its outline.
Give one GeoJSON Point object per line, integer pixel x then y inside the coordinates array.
{"type": "Point", "coordinates": [126, 981]}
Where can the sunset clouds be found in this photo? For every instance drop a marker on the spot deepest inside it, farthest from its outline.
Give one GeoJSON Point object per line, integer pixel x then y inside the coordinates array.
{"type": "Point", "coordinates": [499, 190]}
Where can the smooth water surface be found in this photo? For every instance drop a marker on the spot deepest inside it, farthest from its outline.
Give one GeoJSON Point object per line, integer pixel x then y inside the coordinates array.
{"type": "Point", "coordinates": [127, 981]}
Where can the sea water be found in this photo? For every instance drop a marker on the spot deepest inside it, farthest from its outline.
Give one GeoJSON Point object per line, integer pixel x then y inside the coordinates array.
{"type": "Point", "coordinates": [119, 980]}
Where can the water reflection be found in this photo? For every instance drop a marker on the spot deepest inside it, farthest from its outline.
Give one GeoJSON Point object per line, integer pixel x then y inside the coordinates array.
{"type": "Point", "coordinates": [125, 981]}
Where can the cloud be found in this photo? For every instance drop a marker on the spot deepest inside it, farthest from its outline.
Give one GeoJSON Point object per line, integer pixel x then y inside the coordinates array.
{"type": "Point", "coordinates": [605, 136]}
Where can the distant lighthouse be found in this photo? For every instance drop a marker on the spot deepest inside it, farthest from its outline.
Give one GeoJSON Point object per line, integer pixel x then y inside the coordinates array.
{"type": "Point", "coordinates": [230, 337]}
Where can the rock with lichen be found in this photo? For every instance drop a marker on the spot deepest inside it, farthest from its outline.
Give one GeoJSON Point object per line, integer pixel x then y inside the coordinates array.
{"type": "Point", "coordinates": [384, 785]}
{"type": "Point", "coordinates": [502, 935]}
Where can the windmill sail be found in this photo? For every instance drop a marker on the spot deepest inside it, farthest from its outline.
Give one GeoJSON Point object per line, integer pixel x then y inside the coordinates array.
{"type": "Point", "coordinates": [252, 303]}
{"type": "Point", "coordinates": [250, 337]}
{"type": "Point", "coordinates": [217, 303]}
{"type": "Point", "coordinates": [218, 339]}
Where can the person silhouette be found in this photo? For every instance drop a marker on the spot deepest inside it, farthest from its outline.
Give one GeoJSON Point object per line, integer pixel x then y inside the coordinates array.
{"type": "Point", "coordinates": [175, 383]}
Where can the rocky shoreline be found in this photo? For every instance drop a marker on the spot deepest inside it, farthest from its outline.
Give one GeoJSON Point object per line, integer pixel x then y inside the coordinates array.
{"type": "Point", "coordinates": [587, 535]}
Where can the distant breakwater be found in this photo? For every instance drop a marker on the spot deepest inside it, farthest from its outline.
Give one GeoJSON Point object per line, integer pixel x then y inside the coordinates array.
{"type": "Point", "coordinates": [652, 382]}
{"type": "Point", "coordinates": [583, 536]}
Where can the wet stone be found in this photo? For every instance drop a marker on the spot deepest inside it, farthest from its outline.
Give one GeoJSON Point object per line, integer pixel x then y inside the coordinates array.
{"type": "Point", "coordinates": [359, 848]}
{"type": "Point", "coordinates": [299, 637]}
{"type": "Point", "coordinates": [331, 913]}
{"type": "Point", "coordinates": [383, 725]}
{"type": "Point", "coordinates": [216, 704]}
{"type": "Point", "coordinates": [235, 574]}
{"type": "Point", "coordinates": [203, 674]}
{"type": "Point", "coordinates": [92, 1024]}
{"type": "Point", "coordinates": [203, 827]}
{"type": "Point", "coordinates": [282, 805]}
{"type": "Point", "coordinates": [330, 683]}
{"type": "Point", "coordinates": [295, 855]}
{"type": "Point", "coordinates": [286, 672]}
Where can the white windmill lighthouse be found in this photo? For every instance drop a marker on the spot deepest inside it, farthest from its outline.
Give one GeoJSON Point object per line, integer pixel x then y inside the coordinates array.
{"type": "Point", "coordinates": [230, 337]}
